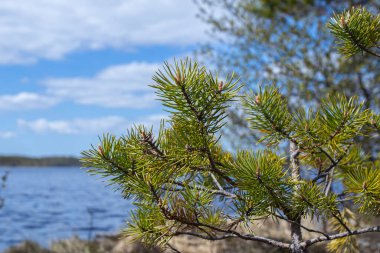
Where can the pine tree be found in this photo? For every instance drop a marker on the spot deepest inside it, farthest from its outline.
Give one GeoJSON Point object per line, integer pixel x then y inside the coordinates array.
{"type": "Point", "coordinates": [287, 42]}
{"type": "Point", "coordinates": [185, 183]}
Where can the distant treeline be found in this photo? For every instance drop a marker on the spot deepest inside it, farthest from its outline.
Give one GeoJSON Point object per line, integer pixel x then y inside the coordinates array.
{"type": "Point", "coordinates": [53, 161]}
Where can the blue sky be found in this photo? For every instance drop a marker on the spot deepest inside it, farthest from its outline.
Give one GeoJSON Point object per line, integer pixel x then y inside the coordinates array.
{"type": "Point", "coordinates": [72, 70]}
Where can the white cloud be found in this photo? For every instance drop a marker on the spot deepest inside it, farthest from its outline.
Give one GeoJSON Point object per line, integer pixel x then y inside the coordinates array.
{"type": "Point", "coordinates": [26, 100]}
{"type": "Point", "coordinates": [119, 86]}
{"type": "Point", "coordinates": [45, 29]}
{"type": "Point", "coordinates": [7, 134]}
{"type": "Point", "coordinates": [112, 124]}
{"type": "Point", "coordinates": [71, 127]}
{"type": "Point", "coordinates": [122, 86]}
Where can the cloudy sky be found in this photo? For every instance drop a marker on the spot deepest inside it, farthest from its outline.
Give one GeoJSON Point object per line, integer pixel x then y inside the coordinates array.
{"type": "Point", "coordinates": [72, 70]}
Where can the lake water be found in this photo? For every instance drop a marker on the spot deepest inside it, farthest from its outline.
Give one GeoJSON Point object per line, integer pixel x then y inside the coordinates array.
{"type": "Point", "coordinates": [44, 204]}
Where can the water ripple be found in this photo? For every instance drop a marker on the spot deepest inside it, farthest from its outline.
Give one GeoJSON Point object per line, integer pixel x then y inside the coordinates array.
{"type": "Point", "coordinates": [52, 203]}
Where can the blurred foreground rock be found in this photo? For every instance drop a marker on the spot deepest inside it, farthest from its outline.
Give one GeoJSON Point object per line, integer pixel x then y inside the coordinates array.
{"type": "Point", "coordinates": [185, 244]}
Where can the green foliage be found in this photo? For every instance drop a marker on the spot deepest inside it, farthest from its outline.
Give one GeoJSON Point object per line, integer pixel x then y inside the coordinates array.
{"type": "Point", "coordinates": [365, 184]}
{"type": "Point", "coordinates": [268, 113]}
{"type": "Point", "coordinates": [183, 181]}
{"type": "Point", "coordinates": [182, 90]}
{"type": "Point", "coordinates": [348, 244]}
{"type": "Point", "coordinates": [311, 201]}
{"type": "Point", "coordinates": [357, 30]}
{"type": "Point", "coordinates": [148, 225]}
{"type": "Point", "coordinates": [288, 43]}
{"type": "Point", "coordinates": [262, 180]}
{"type": "Point", "coordinates": [341, 119]}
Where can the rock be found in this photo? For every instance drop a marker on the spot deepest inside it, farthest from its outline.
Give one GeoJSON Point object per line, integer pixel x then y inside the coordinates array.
{"type": "Point", "coordinates": [27, 247]}
{"type": "Point", "coordinates": [126, 245]}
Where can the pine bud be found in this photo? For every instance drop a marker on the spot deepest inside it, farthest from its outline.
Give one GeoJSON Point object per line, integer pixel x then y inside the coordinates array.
{"type": "Point", "coordinates": [258, 174]}
{"type": "Point", "coordinates": [342, 21]}
{"type": "Point", "coordinates": [178, 79]}
{"type": "Point", "coordinates": [142, 134]}
{"type": "Point", "coordinates": [257, 99]}
{"type": "Point", "coordinates": [365, 185]}
{"type": "Point", "coordinates": [220, 87]}
{"type": "Point", "coordinates": [101, 151]}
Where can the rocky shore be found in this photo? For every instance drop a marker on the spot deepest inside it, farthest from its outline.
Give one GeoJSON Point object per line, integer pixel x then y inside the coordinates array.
{"type": "Point", "coordinates": [186, 244]}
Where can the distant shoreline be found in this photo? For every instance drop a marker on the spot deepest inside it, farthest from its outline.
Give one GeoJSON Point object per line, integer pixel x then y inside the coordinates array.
{"type": "Point", "coordinates": [51, 161]}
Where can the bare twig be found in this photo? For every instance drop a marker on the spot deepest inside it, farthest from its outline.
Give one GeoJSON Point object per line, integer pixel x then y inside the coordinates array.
{"type": "Point", "coordinates": [248, 237]}
{"type": "Point", "coordinates": [168, 214]}
{"type": "Point", "coordinates": [327, 171]}
{"type": "Point", "coordinates": [310, 242]}
{"type": "Point", "coordinates": [216, 181]}
{"type": "Point", "coordinates": [329, 180]}
{"type": "Point", "coordinates": [202, 188]}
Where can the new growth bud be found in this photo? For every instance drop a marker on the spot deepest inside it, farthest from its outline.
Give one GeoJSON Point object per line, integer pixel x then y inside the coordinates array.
{"type": "Point", "coordinates": [178, 79]}
{"type": "Point", "coordinates": [142, 134]}
{"type": "Point", "coordinates": [101, 151]}
{"type": "Point", "coordinates": [220, 87]}
{"type": "Point", "coordinates": [257, 99]}
{"type": "Point", "coordinates": [365, 186]}
{"type": "Point", "coordinates": [342, 21]}
{"type": "Point", "coordinates": [146, 137]}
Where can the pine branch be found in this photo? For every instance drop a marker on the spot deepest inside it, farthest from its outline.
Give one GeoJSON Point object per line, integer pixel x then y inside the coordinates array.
{"type": "Point", "coordinates": [299, 224]}
{"type": "Point", "coordinates": [216, 182]}
{"type": "Point", "coordinates": [113, 164]}
{"type": "Point", "coordinates": [329, 180]}
{"type": "Point", "coordinates": [221, 191]}
{"type": "Point", "coordinates": [357, 42]}
{"type": "Point", "coordinates": [247, 237]}
{"type": "Point", "coordinates": [171, 216]}
{"type": "Point", "coordinates": [357, 31]}
{"type": "Point", "coordinates": [327, 171]}
{"type": "Point", "coordinates": [280, 204]}
{"type": "Point", "coordinates": [340, 220]}
{"type": "Point", "coordinates": [333, 213]}
{"type": "Point", "coordinates": [185, 94]}
{"type": "Point", "coordinates": [310, 242]}
{"type": "Point", "coordinates": [147, 138]}
{"type": "Point", "coordinates": [200, 118]}
{"type": "Point", "coordinates": [216, 170]}
{"type": "Point", "coordinates": [294, 161]}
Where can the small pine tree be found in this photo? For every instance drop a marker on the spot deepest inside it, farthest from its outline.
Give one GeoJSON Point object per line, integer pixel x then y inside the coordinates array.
{"type": "Point", "coordinates": [185, 183]}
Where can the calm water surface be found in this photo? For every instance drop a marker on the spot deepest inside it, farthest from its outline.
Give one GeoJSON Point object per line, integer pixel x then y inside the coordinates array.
{"type": "Point", "coordinates": [44, 204]}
